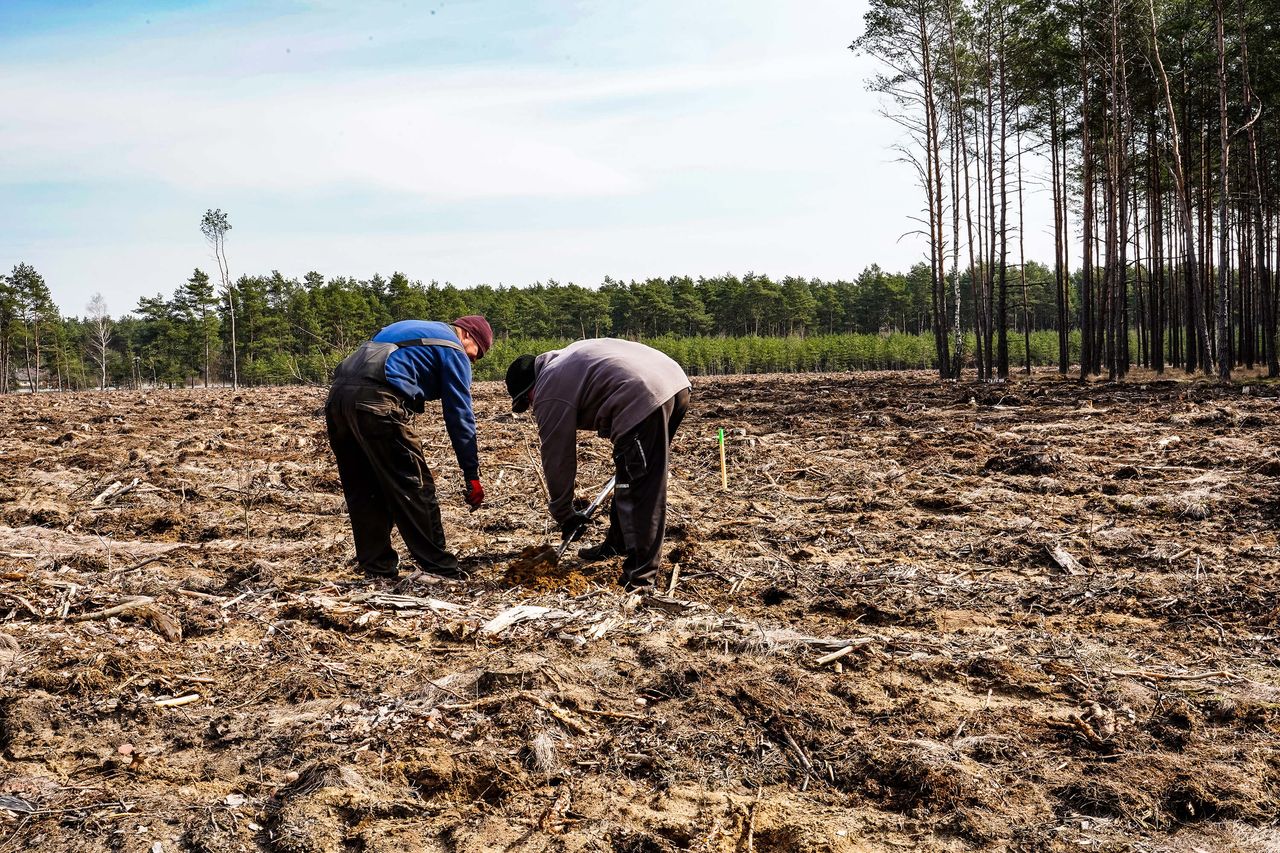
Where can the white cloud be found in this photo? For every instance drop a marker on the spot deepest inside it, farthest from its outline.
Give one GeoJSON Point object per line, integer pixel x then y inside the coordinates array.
{"type": "Point", "coordinates": [441, 135]}
{"type": "Point", "coordinates": [388, 133]}
{"type": "Point", "coordinates": [727, 135]}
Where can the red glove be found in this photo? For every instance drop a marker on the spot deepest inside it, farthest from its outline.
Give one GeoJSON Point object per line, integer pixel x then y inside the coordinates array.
{"type": "Point", "coordinates": [474, 494]}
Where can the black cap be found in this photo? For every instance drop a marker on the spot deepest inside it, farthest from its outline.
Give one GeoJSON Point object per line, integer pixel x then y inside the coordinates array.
{"type": "Point", "coordinates": [520, 378]}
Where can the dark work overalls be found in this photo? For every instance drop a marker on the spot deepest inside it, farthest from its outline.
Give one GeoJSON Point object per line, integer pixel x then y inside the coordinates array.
{"type": "Point", "coordinates": [638, 515]}
{"type": "Point", "coordinates": [384, 474]}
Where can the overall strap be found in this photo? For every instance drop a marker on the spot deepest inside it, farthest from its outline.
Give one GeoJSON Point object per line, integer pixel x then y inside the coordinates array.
{"type": "Point", "coordinates": [431, 342]}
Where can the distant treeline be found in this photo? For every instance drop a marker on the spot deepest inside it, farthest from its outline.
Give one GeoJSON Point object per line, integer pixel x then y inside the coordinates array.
{"type": "Point", "coordinates": [288, 330]}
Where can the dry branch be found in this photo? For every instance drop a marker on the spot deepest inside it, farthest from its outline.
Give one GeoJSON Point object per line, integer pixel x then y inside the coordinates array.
{"type": "Point", "coordinates": [1172, 676]}
{"type": "Point", "coordinates": [106, 613]}
{"type": "Point", "coordinates": [113, 491]}
{"type": "Point", "coordinates": [564, 716]}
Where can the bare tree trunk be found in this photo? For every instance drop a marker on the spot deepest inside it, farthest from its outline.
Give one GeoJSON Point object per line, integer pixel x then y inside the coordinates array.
{"type": "Point", "coordinates": [35, 377]}
{"type": "Point", "coordinates": [204, 331]}
{"type": "Point", "coordinates": [933, 190]}
{"type": "Point", "coordinates": [1155, 245]}
{"type": "Point", "coordinates": [957, 146]}
{"type": "Point", "coordinates": [1260, 230]}
{"type": "Point", "coordinates": [1062, 272]}
{"type": "Point", "coordinates": [975, 243]}
{"type": "Point", "coordinates": [1087, 268]}
{"type": "Point", "coordinates": [989, 282]}
{"type": "Point", "coordinates": [1002, 322]}
{"type": "Point", "coordinates": [1022, 261]}
{"type": "Point", "coordinates": [1224, 150]}
{"type": "Point", "coordinates": [1120, 311]}
{"type": "Point", "coordinates": [1183, 202]}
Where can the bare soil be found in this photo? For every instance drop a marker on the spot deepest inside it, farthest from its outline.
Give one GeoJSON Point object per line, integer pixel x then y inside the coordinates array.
{"type": "Point", "coordinates": [1039, 616]}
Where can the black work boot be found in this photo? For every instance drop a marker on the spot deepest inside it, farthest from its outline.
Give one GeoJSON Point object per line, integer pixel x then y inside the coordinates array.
{"type": "Point", "coordinates": [641, 588]}
{"type": "Point", "coordinates": [380, 570]}
{"type": "Point", "coordinates": [450, 573]}
{"type": "Point", "coordinates": [595, 553]}
{"type": "Point", "coordinates": [637, 581]}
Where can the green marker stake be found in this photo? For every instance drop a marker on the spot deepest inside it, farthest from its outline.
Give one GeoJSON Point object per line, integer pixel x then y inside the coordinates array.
{"type": "Point", "coordinates": [724, 473]}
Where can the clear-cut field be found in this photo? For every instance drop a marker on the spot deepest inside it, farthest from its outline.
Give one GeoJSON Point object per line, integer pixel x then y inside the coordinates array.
{"type": "Point", "coordinates": [924, 615]}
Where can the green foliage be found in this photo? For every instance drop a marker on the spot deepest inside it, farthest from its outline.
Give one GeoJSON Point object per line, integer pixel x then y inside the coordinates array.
{"type": "Point", "coordinates": [291, 331]}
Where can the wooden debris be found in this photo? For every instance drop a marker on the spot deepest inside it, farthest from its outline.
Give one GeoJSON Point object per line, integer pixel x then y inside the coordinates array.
{"type": "Point", "coordinates": [834, 656]}
{"type": "Point", "coordinates": [1068, 563]}
{"type": "Point", "coordinates": [574, 725]}
{"type": "Point", "coordinates": [1172, 676]}
{"type": "Point", "coordinates": [113, 491]}
{"type": "Point", "coordinates": [667, 605]}
{"type": "Point", "coordinates": [407, 602]}
{"type": "Point", "coordinates": [519, 613]}
{"type": "Point", "coordinates": [26, 604]}
{"type": "Point", "coordinates": [106, 613]}
{"type": "Point", "coordinates": [675, 579]}
{"type": "Point", "coordinates": [601, 628]}
{"type": "Point", "coordinates": [203, 596]}
{"type": "Point", "coordinates": [140, 607]}
{"type": "Point", "coordinates": [16, 804]}
{"type": "Point", "coordinates": [160, 622]}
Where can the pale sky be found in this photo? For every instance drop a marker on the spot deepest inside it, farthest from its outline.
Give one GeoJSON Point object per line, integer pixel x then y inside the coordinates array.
{"type": "Point", "coordinates": [471, 141]}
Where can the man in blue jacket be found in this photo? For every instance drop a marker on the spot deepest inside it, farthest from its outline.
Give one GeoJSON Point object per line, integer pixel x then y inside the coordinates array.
{"type": "Point", "coordinates": [384, 474]}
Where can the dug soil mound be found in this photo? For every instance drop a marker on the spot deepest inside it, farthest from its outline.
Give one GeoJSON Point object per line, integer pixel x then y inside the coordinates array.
{"type": "Point", "coordinates": [923, 615]}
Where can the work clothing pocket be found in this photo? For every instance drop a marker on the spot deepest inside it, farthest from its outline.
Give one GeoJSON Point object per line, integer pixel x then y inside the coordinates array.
{"type": "Point", "coordinates": [629, 458]}
{"type": "Point", "coordinates": [380, 401]}
{"type": "Point", "coordinates": [382, 426]}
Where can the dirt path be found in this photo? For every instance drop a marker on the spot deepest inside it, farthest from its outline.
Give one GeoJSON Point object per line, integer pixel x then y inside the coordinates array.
{"type": "Point", "coordinates": [928, 616]}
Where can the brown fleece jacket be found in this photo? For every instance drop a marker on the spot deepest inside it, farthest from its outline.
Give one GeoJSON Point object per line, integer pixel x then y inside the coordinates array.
{"type": "Point", "coordinates": [603, 384]}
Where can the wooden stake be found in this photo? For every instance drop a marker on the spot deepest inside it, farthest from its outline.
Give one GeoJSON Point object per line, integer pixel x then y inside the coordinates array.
{"type": "Point", "coordinates": [724, 472]}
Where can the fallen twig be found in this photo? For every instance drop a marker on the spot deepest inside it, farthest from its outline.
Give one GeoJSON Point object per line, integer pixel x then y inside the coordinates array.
{"type": "Point", "coordinates": [551, 708]}
{"type": "Point", "coordinates": [836, 655]}
{"type": "Point", "coordinates": [115, 490]}
{"type": "Point", "coordinates": [613, 715]}
{"type": "Point", "coordinates": [30, 609]}
{"type": "Point", "coordinates": [1172, 676]}
{"type": "Point", "coordinates": [195, 593]}
{"type": "Point", "coordinates": [122, 607]}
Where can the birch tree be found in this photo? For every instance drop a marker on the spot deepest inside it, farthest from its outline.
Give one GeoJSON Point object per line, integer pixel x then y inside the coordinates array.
{"type": "Point", "coordinates": [215, 225]}
{"type": "Point", "coordinates": [100, 335]}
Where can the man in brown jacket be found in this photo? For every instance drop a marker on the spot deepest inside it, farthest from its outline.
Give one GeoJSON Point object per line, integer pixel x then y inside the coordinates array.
{"type": "Point", "coordinates": [624, 391]}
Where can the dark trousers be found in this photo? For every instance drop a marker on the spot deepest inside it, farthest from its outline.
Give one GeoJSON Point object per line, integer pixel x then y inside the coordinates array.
{"type": "Point", "coordinates": [638, 515]}
{"type": "Point", "coordinates": [385, 479]}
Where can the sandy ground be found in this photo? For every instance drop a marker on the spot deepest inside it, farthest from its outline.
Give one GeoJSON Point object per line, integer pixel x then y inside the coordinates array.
{"type": "Point", "coordinates": [1039, 616]}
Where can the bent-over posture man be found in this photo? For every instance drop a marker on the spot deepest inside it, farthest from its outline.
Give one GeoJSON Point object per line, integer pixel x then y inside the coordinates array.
{"type": "Point", "coordinates": [384, 474]}
{"type": "Point", "coordinates": [626, 392]}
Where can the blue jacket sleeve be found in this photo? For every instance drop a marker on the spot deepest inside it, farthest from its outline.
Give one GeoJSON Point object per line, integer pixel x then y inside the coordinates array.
{"type": "Point", "coordinates": [459, 419]}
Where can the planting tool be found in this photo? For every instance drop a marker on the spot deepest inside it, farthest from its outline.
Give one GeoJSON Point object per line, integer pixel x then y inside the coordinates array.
{"type": "Point", "coordinates": [534, 561]}
{"type": "Point", "coordinates": [590, 511]}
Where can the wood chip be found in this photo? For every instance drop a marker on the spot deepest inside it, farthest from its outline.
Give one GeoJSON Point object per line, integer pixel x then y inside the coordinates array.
{"type": "Point", "coordinates": [1068, 563]}
{"type": "Point", "coordinates": [518, 613]}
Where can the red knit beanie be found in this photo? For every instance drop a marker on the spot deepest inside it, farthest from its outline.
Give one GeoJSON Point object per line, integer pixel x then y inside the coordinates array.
{"type": "Point", "coordinates": [479, 329]}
